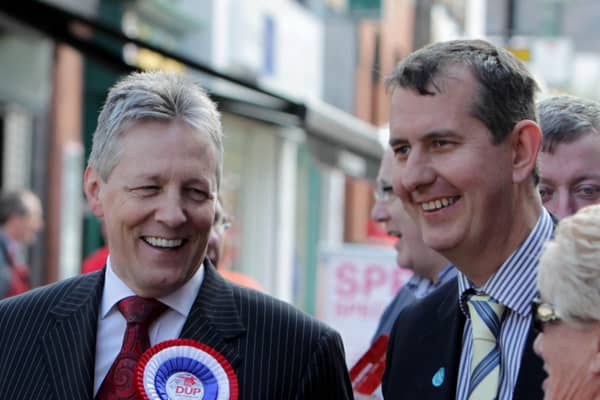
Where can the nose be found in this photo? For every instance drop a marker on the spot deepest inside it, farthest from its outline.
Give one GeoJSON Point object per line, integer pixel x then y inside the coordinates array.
{"type": "Point", "coordinates": [563, 204]}
{"type": "Point", "coordinates": [170, 211]}
{"type": "Point", "coordinates": [414, 173]}
{"type": "Point", "coordinates": [380, 211]}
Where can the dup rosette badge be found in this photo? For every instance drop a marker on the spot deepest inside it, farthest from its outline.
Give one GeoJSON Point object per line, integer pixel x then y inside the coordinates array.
{"type": "Point", "coordinates": [182, 369]}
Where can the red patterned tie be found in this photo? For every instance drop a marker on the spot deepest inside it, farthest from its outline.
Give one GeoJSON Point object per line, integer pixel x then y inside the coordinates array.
{"type": "Point", "coordinates": [139, 313]}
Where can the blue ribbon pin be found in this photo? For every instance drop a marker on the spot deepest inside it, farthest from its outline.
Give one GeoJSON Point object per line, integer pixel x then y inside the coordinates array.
{"type": "Point", "coordinates": [438, 378]}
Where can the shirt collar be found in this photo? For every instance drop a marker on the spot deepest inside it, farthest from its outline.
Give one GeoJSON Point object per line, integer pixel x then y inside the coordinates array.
{"type": "Point", "coordinates": [415, 281]}
{"type": "Point", "coordinates": [445, 275]}
{"type": "Point", "coordinates": [181, 300]}
{"type": "Point", "coordinates": [514, 284]}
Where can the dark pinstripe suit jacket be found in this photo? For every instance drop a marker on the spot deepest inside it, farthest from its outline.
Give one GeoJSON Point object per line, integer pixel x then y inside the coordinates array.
{"type": "Point", "coordinates": [48, 340]}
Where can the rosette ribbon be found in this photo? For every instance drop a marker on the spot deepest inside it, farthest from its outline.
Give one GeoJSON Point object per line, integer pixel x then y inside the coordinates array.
{"type": "Point", "coordinates": [183, 369]}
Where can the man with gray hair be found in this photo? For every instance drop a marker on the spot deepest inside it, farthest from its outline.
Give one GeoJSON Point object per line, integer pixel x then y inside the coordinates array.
{"type": "Point", "coordinates": [570, 158]}
{"type": "Point", "coordinates": [20, 221]}
{"type": "Point", "coordinates": [158, 321]}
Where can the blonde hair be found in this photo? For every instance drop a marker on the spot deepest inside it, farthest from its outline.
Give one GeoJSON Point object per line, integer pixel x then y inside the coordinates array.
{"type": "Point", "coordinates": [569, 272]}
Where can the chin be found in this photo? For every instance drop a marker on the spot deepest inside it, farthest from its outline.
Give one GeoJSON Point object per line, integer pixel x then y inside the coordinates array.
{"type": "Point", "coordinates": [404, 262]}
{"type": "Point", "coordinates": [440, 244]}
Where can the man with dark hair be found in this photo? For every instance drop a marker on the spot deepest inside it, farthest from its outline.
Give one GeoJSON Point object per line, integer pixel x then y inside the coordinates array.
{"type": "Point", "coordinates": [20, 220]}
{"type": "Point", "coordinates": [463, 131]}
{"type": "Point", "coordinates": [430, 269]}
{"type": "Point", "coordinates": [570, 158]}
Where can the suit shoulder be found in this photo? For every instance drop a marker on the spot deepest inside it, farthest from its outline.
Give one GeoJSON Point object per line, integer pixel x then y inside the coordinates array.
{"type": "Point", "coordinates": [421, 310]}
{"type": "Point", "coordinates": [43, 297]}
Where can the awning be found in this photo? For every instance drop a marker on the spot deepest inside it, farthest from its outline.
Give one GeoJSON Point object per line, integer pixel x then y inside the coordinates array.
{"type": "Point", "coordinates": [334, 137]}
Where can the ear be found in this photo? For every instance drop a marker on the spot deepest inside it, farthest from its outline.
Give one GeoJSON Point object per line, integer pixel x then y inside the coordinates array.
{"type": "Point", "coordinates": [526, 140]}
{"type": "Point", "coordinates": [91, 187]}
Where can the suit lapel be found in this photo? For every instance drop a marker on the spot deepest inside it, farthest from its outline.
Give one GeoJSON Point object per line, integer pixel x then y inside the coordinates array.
{"type": "Point", "coordinates": [214, 319]}
{"type": "Point", "coordinates": [70, 343]}
{"type": "Point", "coordinates": [442, 344]}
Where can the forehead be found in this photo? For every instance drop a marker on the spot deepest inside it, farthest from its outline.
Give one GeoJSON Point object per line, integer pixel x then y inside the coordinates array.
{"type": "Point", "coordinates": [451, 104]}
{"type": "Point", "coordinates": [152, 147]}
{"type": "Point", "coordinates": [572, 160]}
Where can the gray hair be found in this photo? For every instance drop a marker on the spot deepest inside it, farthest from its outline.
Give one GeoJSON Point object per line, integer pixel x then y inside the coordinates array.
{"type": "Point", "coordinates": [565, 118]}
{"type": "Point", "coordinates": [569, 271]}
{"type": "Point", "coordinates": [155, 95]}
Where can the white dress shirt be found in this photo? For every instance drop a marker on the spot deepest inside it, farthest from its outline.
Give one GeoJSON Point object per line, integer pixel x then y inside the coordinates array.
{"type": "Point", "coordinates": [112, 324]}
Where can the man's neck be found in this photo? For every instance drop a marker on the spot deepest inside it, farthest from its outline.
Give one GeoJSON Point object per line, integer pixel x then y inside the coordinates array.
{"type": "Point", "coordinates": [486, 256]}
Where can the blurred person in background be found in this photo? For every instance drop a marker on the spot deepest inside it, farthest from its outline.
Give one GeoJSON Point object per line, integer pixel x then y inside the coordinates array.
{"type": "Point", "coordinates": [96, 260]}
{"type": "Point", "coordinates": [216, 240]}
{"type": "Point", "coordinates": [569, 162]}
{"type": "Point", "coordinates": [153, 176]}
{"type": "Point", "coordinates": [430, 269]}
{"type": "Point", "coordinates": [20, 220]}
{"type": "Point", "coordinates": [567, 313]}
{"type": "Point", "coordinates": [216, 248]}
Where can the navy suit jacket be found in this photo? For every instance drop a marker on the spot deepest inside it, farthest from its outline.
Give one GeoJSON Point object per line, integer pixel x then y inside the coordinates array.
{"type": "Point", "coordinates": [48, 342]}
{"type": "Point", "coordinates": [426, 337]}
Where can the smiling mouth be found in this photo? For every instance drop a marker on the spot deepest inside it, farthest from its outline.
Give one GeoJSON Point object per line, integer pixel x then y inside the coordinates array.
{"type": "Point", "coordinates": [438, 204]}
{"type": "Point", "coordinates": [163, 243]}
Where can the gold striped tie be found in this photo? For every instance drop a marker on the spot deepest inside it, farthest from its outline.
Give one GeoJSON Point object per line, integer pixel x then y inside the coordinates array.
{"type": "Point", "coordinates": [486, 317]}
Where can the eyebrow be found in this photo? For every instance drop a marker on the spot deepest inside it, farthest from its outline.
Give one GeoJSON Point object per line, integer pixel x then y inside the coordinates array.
{"type": "Point", "coordinates": [154, 178]}
{"type": "Point", "coordinates": [383, 182]}
{"type": "Point", "coordinates": [444, 133]}
{"type": "Point", "coordinates": [200, 180]}
{"type": "Point", "coordinates": [585, 177]}
{"type": "Point", "coordinates": [576, 180]}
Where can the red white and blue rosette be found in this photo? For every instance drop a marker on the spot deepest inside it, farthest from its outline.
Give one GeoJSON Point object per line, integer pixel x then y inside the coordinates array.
{"type": "Point", "coordinates": [182, 369]}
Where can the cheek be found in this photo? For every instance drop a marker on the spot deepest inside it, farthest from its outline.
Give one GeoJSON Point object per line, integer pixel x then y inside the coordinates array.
{"type": "Point", "coordinates": [202, 220]}
{"type": "Point", "coordinates": [126, 218]}
{"type": "Point", "coordinates": [556, 353]}
{"type": "Point", "coordinates": [583, 203]}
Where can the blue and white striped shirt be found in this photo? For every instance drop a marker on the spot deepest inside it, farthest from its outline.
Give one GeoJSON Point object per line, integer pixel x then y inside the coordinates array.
{"type": "Point", "coordinates": [513, 285]}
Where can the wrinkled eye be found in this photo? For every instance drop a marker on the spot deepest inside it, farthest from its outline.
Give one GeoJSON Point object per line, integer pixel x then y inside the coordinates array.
{"type": "Point", "coordinates": [384, 193]}
{"type": "Point", "coordinates": [440, 143]}
{"type": "Point", "coordinates": [402, 151]}
{"type": "Point", "coordinates": [147, 190]}
{"type": "Point", "coordinates": [545, 193]}
{"type": "Point", "coordinates": [588, 192]}
{"type": "Point", "coordinates": [198, 195]}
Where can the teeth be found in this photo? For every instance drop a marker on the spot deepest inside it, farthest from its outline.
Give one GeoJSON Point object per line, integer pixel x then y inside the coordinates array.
{"type": "Point", "coordinates": [437, 204]}
{"type": "Point", "coordinates": [162, 242]}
